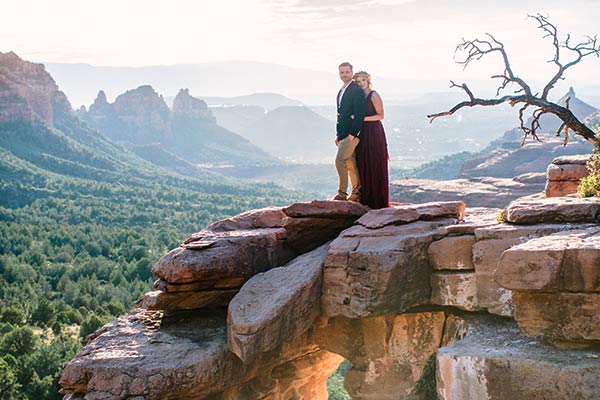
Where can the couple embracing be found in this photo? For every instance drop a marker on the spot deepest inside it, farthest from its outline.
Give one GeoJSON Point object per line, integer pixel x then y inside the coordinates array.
{"type": "Point", "coordinates": [362, 148]}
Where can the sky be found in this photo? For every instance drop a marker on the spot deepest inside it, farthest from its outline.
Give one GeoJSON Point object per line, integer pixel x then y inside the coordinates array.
{"type": "Point", "coordinates": [406, 39]}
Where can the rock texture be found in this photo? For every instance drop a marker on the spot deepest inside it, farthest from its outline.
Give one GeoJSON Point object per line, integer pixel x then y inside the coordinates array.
{"type": "Point", "coordinates": [494, 361]}
{"type": "Point", "coordinates": [276, 306]}
{"type": "Point", "coordinates": [252, 308]}
{"type": "Point", "coordinates": [564, 174]}
{"type": "Point", "coordinates": [28, 92]}
{"type": "Point", "coordinates": [484, 191]}
{"type": "Point", "coordinates": [177, 139]}
{"type": "Point", "coordinates": [553, 210]}
{"type": "Point", "coordinates": [383, 252]}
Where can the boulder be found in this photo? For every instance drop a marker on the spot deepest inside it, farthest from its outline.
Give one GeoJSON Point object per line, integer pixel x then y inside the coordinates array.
{"type": "Point", "coordinates": [494, 361]}
{"type": "Point", "coordinates": [490, 243]}
{"type": "Point", "coordinates": [563, 261]}
{"type": "Point", "coordinates": [276, 306]}
{"type": "Point", "coordinates": [405, 214]}
{"type": "Point", "coordinates": [566, 172]}
{"type": "Point", "coordinates": [372, 272]}
{"type": "Point", "coordinates": [455, 289]}
{"type": "Point", "coordinates": [454, 253]}
{"type": "Point", "coordinates": [225, 256]}
{"type": "Point", "coordinates": [559, 316]}
{"type": "Point", "coordinates": [553, 210]}
{"type": "Point", "coordinates": [268, 217]}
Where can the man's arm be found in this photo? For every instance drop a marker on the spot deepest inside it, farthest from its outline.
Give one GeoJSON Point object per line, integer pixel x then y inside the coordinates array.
{"type": "Point", "coordinates": [359, 110]}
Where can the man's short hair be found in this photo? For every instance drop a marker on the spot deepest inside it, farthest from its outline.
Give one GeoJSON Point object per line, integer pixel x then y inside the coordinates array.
{"type": "Point", "coordinates": [346, 64]}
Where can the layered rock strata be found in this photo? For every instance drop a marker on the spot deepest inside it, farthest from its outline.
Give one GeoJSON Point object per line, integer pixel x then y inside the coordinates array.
{"type": "Point", "coordinates": [564, 174]}
{"type": "Point", "coordinates": [211, 266]}
{"type": "Point", "coordinates": [260, 307]}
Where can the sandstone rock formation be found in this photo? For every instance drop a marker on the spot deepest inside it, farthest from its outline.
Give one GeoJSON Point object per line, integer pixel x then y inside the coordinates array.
{"type": "Point", "coordinates": [246, 309]}
{"type": "Point", "coordinates": [564, 174]}
{"type": "Point", "coordinates": [27, 92]}
{"type": "Point", "coordinates": [177, 139]}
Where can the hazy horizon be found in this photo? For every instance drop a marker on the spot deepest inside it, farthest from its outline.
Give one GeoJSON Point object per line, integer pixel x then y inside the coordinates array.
{"type": "Point", "coordinates": [397, 41]}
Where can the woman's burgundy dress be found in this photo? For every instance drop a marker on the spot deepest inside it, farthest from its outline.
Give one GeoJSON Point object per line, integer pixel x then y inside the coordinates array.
{"type": "Point", "coordinates": [372, 160]}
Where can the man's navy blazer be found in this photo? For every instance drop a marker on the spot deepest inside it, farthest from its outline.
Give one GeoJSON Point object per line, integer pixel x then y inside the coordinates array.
{"type": "Point", "coordinates": [351, 111]}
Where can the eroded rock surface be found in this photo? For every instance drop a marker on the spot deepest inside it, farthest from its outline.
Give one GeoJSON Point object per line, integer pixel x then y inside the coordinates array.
{"type": "Point", "coordinates": [494, 361]}
{"type": "Point", "coordinates": [276, 306]}
{"type": "Point", "coordinates": [396, 289]}
{"type": "Point", "coordinates": [553, 210]}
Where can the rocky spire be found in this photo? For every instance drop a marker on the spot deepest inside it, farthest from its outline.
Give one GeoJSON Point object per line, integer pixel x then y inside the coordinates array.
{"type": "Point", "coordinates": [187, 106]}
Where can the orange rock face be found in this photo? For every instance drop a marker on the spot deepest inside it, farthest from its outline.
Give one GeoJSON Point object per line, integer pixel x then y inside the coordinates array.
{"type": "Point", "coordinates": [27, 91]}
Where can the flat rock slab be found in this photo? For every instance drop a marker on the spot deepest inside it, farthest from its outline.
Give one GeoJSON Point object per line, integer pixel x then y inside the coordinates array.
{"type": "Point", "coordinates": [455, 290]}
{"type": "Point", "coordinates": [564, 261]}
{"type": "Point", "coordinates": [452, 253]}
{"type": "Point", "coordinates": [559, 316]}
{"type": "Point", "coordinates": [230, 255]}
{"type": "Point", "coordinates": [372, 272]}
{"type": "Point", "coordinates": [580, 159]}
{"type": "Point", "coordinates": [326, 209]}
{"type": "Point", "coordinates": [159, 300]}
{"type": "Point", "coordinates": [475, 217]}
{"type": "Point", "coordinates": [553, 210]}
{"type": "Point", "coordinates": [165, 286]}
{"type": "Point", "coordinates": [566, 172]}
{"type": "Point", "coordinates": [268, 217]}
{"type": "Point", "coordinates": [276, 306]}
{"type": "Point", "coordinates": [405, 214]}
{"type": "Point", "coordinates": [495, 362]}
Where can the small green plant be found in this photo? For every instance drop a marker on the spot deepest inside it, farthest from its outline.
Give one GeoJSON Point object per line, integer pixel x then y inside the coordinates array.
{"type": "Point", "coordinates": [590, 185]}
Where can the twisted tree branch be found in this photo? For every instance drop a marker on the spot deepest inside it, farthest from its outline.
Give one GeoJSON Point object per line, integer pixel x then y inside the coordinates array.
{"type": "Point", "coordinates": [477, 48]}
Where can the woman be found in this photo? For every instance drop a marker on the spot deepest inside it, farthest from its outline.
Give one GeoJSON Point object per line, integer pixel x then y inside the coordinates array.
{"type": "Point", "coordinates": [371, 153]}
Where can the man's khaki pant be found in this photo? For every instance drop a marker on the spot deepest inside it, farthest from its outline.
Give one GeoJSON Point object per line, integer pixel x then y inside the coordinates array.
{"type": "Point", "coordinates": [345, 163]}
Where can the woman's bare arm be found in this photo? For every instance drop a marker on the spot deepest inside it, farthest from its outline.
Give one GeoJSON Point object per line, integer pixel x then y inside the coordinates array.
{"type": "Point", "coordinates": [378, 103]}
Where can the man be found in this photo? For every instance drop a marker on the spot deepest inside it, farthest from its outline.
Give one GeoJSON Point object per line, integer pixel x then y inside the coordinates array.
{"type": "Point", "coordinates": [351, 110]}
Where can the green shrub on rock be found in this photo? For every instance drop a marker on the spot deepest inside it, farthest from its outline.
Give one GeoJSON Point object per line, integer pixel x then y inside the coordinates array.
{"type": "Point", "coordinates": [590, 185]}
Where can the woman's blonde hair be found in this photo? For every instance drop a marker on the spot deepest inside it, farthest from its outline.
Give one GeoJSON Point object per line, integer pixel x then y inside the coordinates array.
{"type": "Point", "coordinates": [364, 74]}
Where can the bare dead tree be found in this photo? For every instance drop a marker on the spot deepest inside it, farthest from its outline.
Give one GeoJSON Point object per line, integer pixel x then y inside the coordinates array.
{"type": "Point", "coordinates": [522, 94]}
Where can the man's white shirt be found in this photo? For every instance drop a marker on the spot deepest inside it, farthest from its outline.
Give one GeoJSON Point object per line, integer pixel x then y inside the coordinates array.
{"type": "Point", "coordinates": [342, 94]}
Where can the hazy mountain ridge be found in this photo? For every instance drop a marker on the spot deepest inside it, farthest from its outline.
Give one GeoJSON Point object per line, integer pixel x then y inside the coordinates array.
{"type": "Point", "coordinates": [140, 117]}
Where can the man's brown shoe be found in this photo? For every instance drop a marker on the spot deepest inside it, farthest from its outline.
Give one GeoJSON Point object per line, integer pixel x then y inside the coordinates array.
{"type": "Point", "coordinates": [354, 198]}
{"type": "Point", "coordinates": [340, 197]}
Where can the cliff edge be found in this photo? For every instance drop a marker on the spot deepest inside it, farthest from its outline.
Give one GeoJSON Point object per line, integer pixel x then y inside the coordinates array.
{"type": "Point", "coordinates": [424, 300]}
